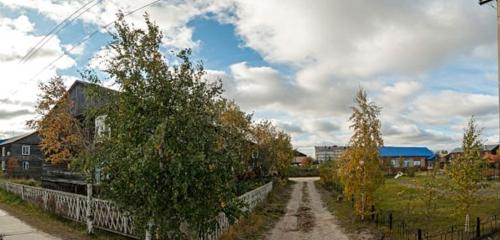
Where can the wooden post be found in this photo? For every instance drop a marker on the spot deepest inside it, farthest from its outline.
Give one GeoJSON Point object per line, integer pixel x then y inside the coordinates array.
{"type": "Point", "coordinates": [390, 221]}
{"type": "Point", "coordinates": [90, 227]}
{"type": "Point", "coordinates": [452, 232]}
{"type": "Point", "coordinates": [22, 192]}
{"type": "Point", "coordinates": [419, 234]}
{"type": "Point", "coordinates": [149, 231]}
{"type": "Point", "coordinates": [373, 213]}
{"type": "Point", "coordinates": [478, 227]}
{"type": "Point", "coordinates": [45, 200]}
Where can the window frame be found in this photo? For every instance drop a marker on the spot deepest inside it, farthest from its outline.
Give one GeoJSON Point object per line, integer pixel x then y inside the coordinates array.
{"type": "Point", "coordinates": [25, 153]}
{"type": "Point", "coordinates": [26, 165]}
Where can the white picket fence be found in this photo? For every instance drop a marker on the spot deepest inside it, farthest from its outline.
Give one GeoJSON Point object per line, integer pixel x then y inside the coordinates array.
{"type": "Point", "coordinates": [106, 215]}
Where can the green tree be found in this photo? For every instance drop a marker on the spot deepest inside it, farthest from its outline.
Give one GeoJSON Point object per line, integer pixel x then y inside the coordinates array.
{"type": "Point", "coordinates": [360, 168]}
{"type": "Point", "coordinates": [465, 171]}
{"type": "Point", "coordinates": [274, 148]}
{"type": "Point", "coordinates": [239, 126]}
{"type": "Point", "coordinates": [168, 159]}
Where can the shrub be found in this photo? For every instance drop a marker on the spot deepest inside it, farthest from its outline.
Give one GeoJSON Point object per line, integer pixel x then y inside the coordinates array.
{"type": "Point", "coordinates": [328, 173]}
{"type": "Point", "coordinates": [311, 171]}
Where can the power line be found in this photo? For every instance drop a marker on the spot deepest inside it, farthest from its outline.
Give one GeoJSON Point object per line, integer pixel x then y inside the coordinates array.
{"type": "Point", "coordinates": [57, 29]}
{"type": "Point", "coordinates": [87, 37]}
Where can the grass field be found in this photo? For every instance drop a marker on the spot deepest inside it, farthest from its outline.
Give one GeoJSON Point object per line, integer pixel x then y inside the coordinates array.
{"type": "Point", "coordinates": [403, 197]}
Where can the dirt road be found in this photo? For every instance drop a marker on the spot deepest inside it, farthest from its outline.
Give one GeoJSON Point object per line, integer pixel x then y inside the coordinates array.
{"type": "Point", "coordinates": [305, 217]}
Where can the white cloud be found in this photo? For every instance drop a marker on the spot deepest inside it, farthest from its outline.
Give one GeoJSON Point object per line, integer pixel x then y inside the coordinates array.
{"type": "Point", "coordinates": [19, 87]}
{"type": "Point", "coordinates": [332, 47]}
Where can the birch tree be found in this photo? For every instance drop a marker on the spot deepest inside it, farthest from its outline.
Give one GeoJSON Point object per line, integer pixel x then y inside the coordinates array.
{"type": "Point", "coordinates": [168, 159]}
{"type": "Point", "coordinates": [465, 171]}
{"type": "Point", "coordinates": [360, 168]}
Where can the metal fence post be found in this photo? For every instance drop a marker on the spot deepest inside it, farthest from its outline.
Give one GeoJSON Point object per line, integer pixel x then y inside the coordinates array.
{"type": "Point", "coordinates": [22, 192]}
{"type": "Point", "coordinates": [478, 227]}
{"type": "Point", "coordinates": [419, 234]}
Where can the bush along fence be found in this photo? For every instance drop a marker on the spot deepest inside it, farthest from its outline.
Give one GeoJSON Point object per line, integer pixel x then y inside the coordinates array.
{"type": "Point", "coordinates": [394, 228]}
{"type": "Point", "coordinates": [103, 214]}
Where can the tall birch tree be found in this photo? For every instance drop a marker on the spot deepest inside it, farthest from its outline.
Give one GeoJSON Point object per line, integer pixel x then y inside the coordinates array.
{"type": "Point", "coordinates": [360, 168]}
{"type": "Point", "coordinates": [465, 171]}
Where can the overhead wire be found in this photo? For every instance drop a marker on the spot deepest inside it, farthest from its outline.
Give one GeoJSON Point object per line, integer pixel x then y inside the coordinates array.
{"type": "Point", "coordinates": [89, 36]}
{"type": "Point", "coordinates": [59, 27]}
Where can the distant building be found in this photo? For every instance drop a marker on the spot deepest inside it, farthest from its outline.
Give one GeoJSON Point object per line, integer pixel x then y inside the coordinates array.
{"type": "Point", "coordinates": [407, 157]}
{"type": "Point", "coordinates": [298, 158]}
{"type": "Point", "coordinates": [488, 152]}
{"type": "Point", "coordinates": [21, 156]}
{"type": "Point", "coordinates": [327, 153]}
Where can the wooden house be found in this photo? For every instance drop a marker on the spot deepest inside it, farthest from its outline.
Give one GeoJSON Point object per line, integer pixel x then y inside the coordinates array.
{"type": "Point", "coordinates": [21, 156]}
{"type": "Point", "coordinates": [61, 176]}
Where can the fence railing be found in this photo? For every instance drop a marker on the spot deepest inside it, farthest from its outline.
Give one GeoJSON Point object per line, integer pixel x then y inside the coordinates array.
{"type": "Point", "coordinates": [106, 215]}
{"type": "Point", "coordinates": [398, 229]}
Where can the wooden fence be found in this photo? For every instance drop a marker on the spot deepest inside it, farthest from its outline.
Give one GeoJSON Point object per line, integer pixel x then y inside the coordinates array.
{"type": "Point", "coordinates": [106, 215]}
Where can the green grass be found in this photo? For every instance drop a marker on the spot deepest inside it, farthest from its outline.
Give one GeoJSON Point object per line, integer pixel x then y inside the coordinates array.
{"type": "Point", "coordinates": [406, 204]}
{"type": "Point", "coordinates": [264, 216]}
{"type": "Point", "coordinates": [403, 198]}
{"type": "Point", "coordinates": [48, 222]}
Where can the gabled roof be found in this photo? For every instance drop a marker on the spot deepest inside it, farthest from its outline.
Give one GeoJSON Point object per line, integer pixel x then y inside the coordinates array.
{"type": "Point", "coordinates": [298, 154]}
{"type": "Point", "coordinates": [487, 147]}
{"type": "Point", "coordinates": [16, 138]}
{"type": "Point", "coordinates": [406, 152]}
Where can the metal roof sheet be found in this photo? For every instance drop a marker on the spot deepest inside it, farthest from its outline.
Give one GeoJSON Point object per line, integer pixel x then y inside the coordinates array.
{"type": "Point", "coordinates": [406, 152]}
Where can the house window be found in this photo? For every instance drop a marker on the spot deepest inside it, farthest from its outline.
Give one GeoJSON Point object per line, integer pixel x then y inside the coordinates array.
{"type": "Point", "coordinates": [394, 163]}
{"type": "Point", "coordinates": [407, 163]}
{"type": "Point", "coordinates": [101, 129]}
{"type": "Point", "coordinates": [25, 150]}
{"type": "Point", "coordinates": [416, 163]}
{"type": "Point", "coordinates": [26, 165]}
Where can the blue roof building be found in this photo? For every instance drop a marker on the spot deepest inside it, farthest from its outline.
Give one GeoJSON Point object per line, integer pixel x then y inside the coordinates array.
{"type": "Point", "coordinates": [402, 152]}
{"type": "Point", "coordinates": [407, 157]}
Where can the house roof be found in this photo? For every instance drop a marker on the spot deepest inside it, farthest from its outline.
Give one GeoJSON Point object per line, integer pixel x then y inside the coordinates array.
{"type": "Point", "coordinates": [487, 147]}
{"type": "Point", "coordinates": [298, 154]}
{"type": "Point", "coordinates": [16, 138]}
{"type": "Point", "coordinates": [406, 152]}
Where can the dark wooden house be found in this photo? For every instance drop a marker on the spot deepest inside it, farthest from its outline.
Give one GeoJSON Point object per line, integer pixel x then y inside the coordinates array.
{"type": "Point", "coordinates": [61, 177]}
{"type": "Point", "coordinates": [21, 156]}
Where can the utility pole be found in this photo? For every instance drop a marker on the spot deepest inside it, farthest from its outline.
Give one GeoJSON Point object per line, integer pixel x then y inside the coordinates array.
{"type": "Point", "coordinates": [481, 2]}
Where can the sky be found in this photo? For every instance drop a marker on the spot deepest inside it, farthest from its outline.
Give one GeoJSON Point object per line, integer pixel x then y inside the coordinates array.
{"type": "Point", "coordinates": [429, 64]}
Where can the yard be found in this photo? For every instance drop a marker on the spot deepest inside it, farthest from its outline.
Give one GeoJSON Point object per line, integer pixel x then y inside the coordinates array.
{"type": "Point", "coordinates": [403, 198]}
